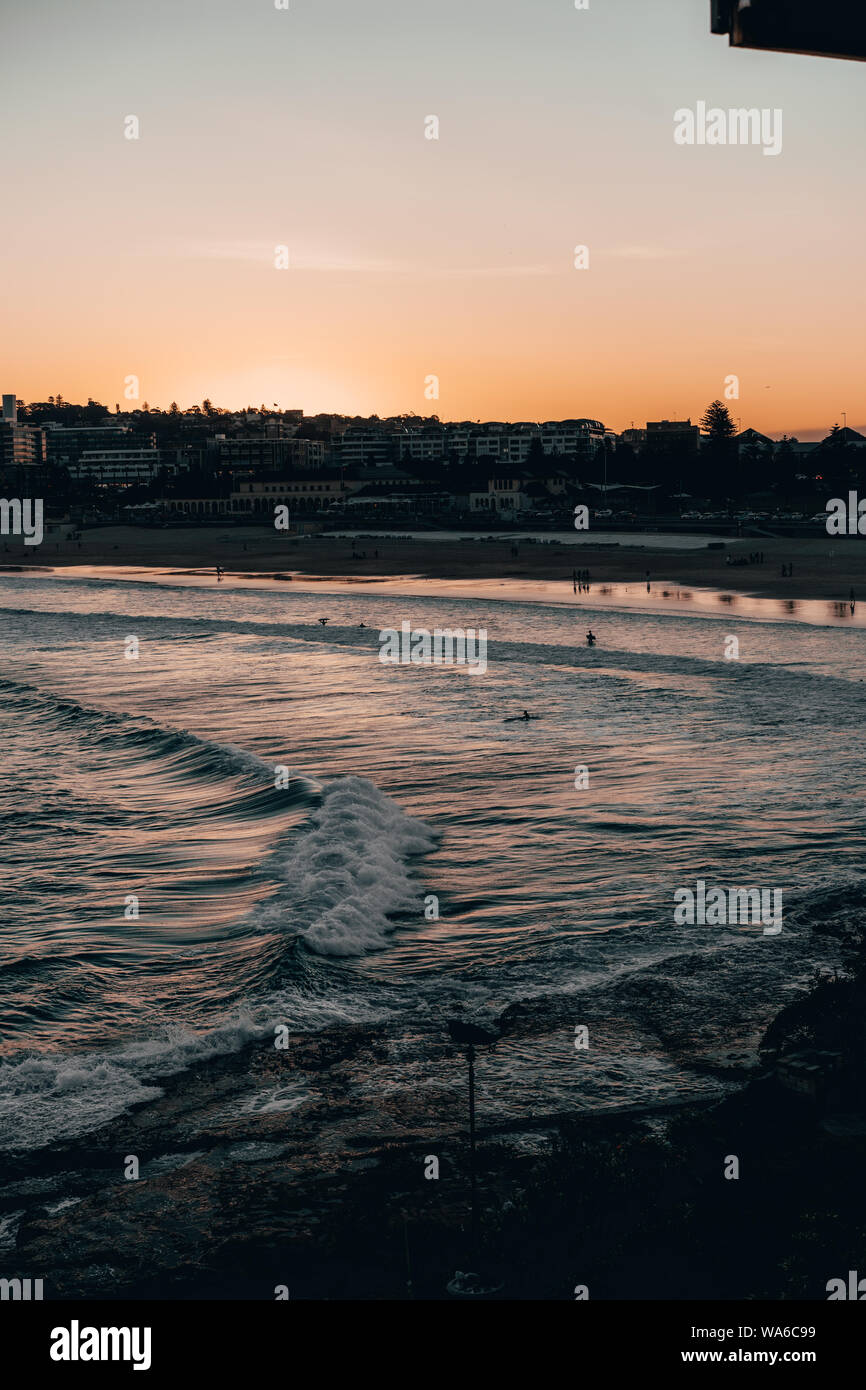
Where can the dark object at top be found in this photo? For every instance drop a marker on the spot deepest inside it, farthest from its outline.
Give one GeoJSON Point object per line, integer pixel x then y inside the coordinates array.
{"type": "Point", "coordinates": [823, 28]}
{"type": "Point", "coordinates": [467, 1033]}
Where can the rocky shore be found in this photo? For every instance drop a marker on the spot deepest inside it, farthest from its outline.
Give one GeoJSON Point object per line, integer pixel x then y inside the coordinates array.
{"type": "Point", "coordinates": [319, 1185]}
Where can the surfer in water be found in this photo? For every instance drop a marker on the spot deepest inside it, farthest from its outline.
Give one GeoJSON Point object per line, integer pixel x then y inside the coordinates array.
{"type": "Point", "coordinates": [590, 638]}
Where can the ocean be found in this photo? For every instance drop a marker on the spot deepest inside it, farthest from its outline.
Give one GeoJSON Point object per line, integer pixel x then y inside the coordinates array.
{"type": "Point", "coordinates": [254, 823]}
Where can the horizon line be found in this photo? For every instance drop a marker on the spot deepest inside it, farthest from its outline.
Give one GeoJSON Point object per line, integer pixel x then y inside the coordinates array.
{"type": "Point", "coordinates": [789, 433]}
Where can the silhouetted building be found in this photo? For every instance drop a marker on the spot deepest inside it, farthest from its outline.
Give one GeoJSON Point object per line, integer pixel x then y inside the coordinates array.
{"type": "Point", "coordinates": [66, 445]}
{"type": "Point", "coordinates": [366, 447]}
{"type": "Point", "coordinates": [311, 494]}
{"type": "Point", "coordinates": [674, 437]}
{"type": "Point", "coordinates": [21, 446]}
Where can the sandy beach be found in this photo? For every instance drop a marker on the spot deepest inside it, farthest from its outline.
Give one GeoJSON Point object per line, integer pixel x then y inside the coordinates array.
{"type": "Point", "coordinates": [295, 912]}
{"type": "Point", "coordinates": [823, 567]}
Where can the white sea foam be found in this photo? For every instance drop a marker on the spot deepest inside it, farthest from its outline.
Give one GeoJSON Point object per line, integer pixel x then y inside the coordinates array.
{"type": "Point", "coordinates": [344, 877]}
{"type": "Point", "coordinates": [54, 1097]}
{"type": "Point", "coordinates": [348, 875]}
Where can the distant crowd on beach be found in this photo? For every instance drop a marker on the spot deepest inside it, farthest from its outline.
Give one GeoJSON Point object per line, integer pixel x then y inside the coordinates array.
{"type": "Point", "coordinates": [755, 557]}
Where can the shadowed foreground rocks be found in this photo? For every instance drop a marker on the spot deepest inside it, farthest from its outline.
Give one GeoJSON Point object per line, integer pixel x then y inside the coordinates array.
{"type": "Point", "coordinates": [327, 1195]}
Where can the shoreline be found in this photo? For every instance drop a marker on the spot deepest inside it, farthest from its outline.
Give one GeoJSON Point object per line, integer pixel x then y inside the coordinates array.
{"type": "Point", "coordinates": [329, 1196]}
{"type": "Point", "coordinates": [325, 1191]}
{"type": "Point", "coordinates": [659, 599]}
{"type": "Point", "coordinates": [823, 568]}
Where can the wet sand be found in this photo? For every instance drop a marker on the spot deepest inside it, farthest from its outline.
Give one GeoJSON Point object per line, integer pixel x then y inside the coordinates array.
{"type": "Point", "coordinates": [823, 567]}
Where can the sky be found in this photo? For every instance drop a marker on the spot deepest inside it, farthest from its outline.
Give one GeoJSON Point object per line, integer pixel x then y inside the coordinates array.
{"type": "Point", "coordinates": [412, 258]}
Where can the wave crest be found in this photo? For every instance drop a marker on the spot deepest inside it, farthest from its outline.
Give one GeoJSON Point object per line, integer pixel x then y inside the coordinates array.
{"type": "Point", "coordinates": [347, 877]}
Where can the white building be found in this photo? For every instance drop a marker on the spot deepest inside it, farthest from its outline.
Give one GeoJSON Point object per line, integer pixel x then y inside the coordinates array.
{"type": "Point", "coordinates": [116, 467]}
{"type": "Point", "coordinates": [492, 439]}
{"type": "Point", "coordinates": [504, 496]}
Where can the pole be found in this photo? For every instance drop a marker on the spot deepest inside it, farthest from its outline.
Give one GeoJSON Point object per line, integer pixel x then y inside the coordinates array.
{"type": "Point", "coordinates": [408, 1261]}
{"type": "Point", "coordinates": [470, 1054]}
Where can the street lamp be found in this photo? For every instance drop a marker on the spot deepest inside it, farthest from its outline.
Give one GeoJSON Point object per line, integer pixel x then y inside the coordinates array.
{"type": "Point", "coordinates": [470, 1036]}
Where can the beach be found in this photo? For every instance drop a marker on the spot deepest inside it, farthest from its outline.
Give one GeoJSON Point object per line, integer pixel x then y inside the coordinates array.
{"type": "Point", "coordinates": [286, 865]}
{"type": "Point", "coordinates": [432, 631]}
{"type": "Point", "coordinates": [822, 567]}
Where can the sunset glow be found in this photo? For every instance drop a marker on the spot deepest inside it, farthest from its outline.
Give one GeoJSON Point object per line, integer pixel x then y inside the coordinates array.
{"type": "Point", "coordinates": [410, 256]}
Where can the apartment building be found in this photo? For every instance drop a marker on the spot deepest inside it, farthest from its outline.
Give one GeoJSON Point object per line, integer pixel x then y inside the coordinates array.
{"type": "Point", "coordinates": [368, 447]}
{"type": "Point", "coordinates": [509, 442]}
{"type": "Point", "coordinates": [21, 446]}
{"type": "Point", "coordinates": [116, 467]}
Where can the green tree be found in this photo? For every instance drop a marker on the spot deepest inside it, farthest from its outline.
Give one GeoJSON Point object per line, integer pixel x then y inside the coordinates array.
{"type": "Point", "coordinates": [719, 462]}
{"type": "Point", "coordinates": [717, 422]}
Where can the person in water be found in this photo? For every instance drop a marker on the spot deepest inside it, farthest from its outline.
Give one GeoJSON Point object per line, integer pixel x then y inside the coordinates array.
{"type": "Point", "coordinates": [590, 638]}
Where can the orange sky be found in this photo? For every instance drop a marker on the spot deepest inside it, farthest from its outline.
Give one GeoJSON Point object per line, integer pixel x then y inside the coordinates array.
{"type": "Point", "coordinates": [412, 257]}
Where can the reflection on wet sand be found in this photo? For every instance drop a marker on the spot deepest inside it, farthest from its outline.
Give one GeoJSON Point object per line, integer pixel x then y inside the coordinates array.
{"type": "Point", "coordinates": [548, 591]}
